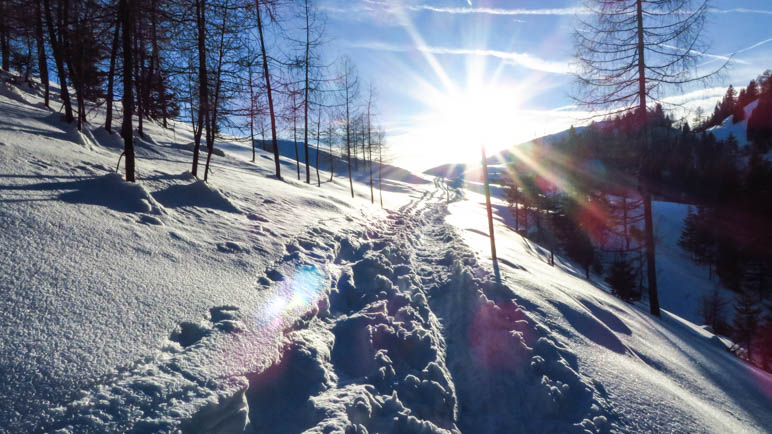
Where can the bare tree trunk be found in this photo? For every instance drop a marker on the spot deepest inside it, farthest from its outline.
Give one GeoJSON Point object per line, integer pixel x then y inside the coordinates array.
{"type": "Point", "coordinates": [139, 67]}
{"type": "Point", "coordinates": [332, 157]}
{"type": "Point", "coordinates": [212, 129]}
{"type": "Point", "coordinates": [645, 193]}
{"type": "Point", "coordinates": [125, 14]}
{"type": "Point", "coordinates": [203, 87]}
{"type": "Point", "coordinates": [41, 46]}
{"type": "Point", "coordinates": [295, 133]}
{"type": "Point", "coordinates": [59, 60]}
{"type": "Point", "coordinates": [5, 46]}
{"type": "Point", "coordinates": [76, 69]}
{"type": "Point", "coordinates": [252, 111]}
{"type": "Point", "coordinates": [348, 147]}
{"type": "Point", "coordinates": [370, 149]}
{"type": "Point", "coordinates": [305, 140]}
{"type": "Point", "coordinates": [276, 159]}
{"type": "Point", "coordinates": [380, 167]}
{"type": "Point", "coordinates": [318, 139]}
{"type": "Point", "coordinates": [111, 77]}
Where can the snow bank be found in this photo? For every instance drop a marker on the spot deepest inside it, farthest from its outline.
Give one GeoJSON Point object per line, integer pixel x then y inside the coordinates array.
{"type": "Point", "coordinates": [113, 192]}
{"type": "Point", "coordinates": [196, 194]}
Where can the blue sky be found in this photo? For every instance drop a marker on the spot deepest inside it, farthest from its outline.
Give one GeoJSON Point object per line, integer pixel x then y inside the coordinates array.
{"type": "Point", "coordinates": [452, 74]}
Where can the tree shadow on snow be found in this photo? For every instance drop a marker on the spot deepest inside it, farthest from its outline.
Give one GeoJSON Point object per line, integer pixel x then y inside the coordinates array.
{"type": "Point", "coordinates": [109, 191]}
{"type": "Point", "coordinates": [591, 328]}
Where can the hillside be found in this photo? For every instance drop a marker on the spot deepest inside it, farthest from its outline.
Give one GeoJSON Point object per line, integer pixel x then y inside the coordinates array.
{"type": "Point", "coordinates": [252, 304]}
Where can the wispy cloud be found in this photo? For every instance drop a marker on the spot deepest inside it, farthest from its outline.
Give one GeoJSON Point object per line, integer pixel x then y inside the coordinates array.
{"type": "Point", "coordinates": [522, 59]}
{"type": "Point", "coordinates": [726, 58]}
{"type": "Point", "coordinates": [493, 11]}
{"type": "Point", "coordinates": [740, 11]}
{"type": "Point", "coordinates": [545, 11]}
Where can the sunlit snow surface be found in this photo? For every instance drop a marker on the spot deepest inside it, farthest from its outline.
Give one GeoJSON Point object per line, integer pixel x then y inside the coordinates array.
{"type": "Point", "coordinates": [258, 305]}
{"type": "Point", "coordinates": [661, 374]}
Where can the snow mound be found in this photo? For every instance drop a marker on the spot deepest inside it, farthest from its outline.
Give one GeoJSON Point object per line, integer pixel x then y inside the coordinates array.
{"type": "Point", "coordinates": [107, 139]}
{"type": "Point", "coordinates": [196, 194]}
{"type": "Point", "coordinates": [113, 192]}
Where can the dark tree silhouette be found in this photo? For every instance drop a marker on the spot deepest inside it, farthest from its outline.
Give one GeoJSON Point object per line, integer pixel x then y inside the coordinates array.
{"type": "Point", "coordinates": [628, 53]}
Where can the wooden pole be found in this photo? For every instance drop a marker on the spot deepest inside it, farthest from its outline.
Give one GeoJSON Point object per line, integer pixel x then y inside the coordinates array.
{"type": "Point", "coordinates": [488, 206]}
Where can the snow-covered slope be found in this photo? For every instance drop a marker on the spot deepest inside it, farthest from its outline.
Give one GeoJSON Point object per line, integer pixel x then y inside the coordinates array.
{"type": "Point", "coordinates": [739, 129]}
{"type": "Point", "coordinates": [96, 274]}
{"type": "Point", "coordinates": [251, 304]}
{"type": "Point", "coordinates": [660, 374]}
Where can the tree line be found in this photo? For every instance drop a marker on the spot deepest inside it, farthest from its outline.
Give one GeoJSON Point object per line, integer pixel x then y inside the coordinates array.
{"type": "Point", "coordinates": [582, 199]}
{"type": "Point", "coordinates": [252, 66]}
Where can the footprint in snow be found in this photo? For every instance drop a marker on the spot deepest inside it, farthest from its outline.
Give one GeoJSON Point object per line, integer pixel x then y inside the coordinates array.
{"type": "Point", "coordinates": [150, 220]}
{"type": "Point", "coordinates": [275, 275]}
{"type": "Point", "coordinates": [189, 333]}
{"type": "Point", "coordinates": [230, 247]}
{"type": "Point", "coordinates": [257, 218]}
{"type": "Point", "coordinates": [225, 319]}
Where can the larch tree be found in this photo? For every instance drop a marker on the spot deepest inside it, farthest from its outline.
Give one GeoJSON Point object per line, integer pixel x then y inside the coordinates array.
{"type": "Point", "coordinates": [371, 95]}
{"type": "Point", "coordinates": [629, 53]}
{"type": "Point", "coordinates": [314, 29]}
{"type": "Point", "coordinates": [56, 39]}
{"type": "Point", "coordinates": [349, 93]}
{"type": "Point", "coordinates": [41, 50]}
{"type": "Point", "coordinates": [263, 8]}
{"type": "Point", "coordinates": [111, 76]}
{"type": "Point", "coordinates": [125, 15]}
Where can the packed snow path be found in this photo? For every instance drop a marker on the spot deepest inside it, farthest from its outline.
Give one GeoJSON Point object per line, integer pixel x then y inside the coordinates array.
{"type": "Point", "coordinates": [406, 333]}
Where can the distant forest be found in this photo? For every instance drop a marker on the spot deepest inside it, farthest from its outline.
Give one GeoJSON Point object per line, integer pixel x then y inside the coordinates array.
{"type": "Point", "coordinates": [580, 195]}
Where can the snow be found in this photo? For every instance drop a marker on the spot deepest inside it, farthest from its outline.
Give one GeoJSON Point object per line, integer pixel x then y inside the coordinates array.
{"type": "Point", "coordinates": [682, 282]}
{"type": "Point", "coordinates": [739, 129]}
{"type": "Point", "coordinates": [696, 384]}
{"type": "Point", "coordinates": [251, 304]}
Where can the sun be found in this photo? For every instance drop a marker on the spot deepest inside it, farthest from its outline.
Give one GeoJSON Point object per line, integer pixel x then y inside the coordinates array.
{"type": "Point", "coordinates": [461, 122]}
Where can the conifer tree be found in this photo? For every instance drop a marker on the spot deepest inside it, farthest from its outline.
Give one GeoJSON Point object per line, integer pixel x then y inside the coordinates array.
{"type": "Point", "coordinates": [746, 322]}
{"type": "Point", "coordinates": [621, 279]}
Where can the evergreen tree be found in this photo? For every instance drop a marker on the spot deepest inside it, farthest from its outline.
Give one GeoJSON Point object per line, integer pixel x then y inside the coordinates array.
{"type": "Point", "coordinates": [746, 322]}
{"type": "Point", "coordinates": [766, 344]}
{"type": "Point", "coordinates": [621, 279]}
{"type": "Point", "coordinates": [760, 122]}
{"type": "Point", "coordinates": [739, 113]}
{"type": "Point", "coordinates": [751, 92]}
{"type": "Point", "coordinates": [713, 311]}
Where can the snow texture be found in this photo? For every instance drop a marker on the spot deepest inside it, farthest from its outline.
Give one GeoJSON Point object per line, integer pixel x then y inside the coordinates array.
{"type": "Point", "coordinates": [251, 304]}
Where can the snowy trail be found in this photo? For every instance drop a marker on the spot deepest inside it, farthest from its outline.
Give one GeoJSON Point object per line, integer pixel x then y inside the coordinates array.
{"type": "Point", "coordinates": [416, 336]}
{"type": "Point", "coordinates": [390, 327]}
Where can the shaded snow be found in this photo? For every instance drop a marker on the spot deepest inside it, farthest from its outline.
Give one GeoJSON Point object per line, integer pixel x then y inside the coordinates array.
{"type": "Point", "coordinates": [697, 385]}
{"type": "Point", "coordinates": [739, 129]}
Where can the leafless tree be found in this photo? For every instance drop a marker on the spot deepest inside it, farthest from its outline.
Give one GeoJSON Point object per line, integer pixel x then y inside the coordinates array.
{"type": "Point", "coordinates": [349, 92]}
{"type": "Point", "coordinates": [629, 52]}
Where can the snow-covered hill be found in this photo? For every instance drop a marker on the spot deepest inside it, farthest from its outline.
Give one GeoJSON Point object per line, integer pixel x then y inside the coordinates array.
{"type": "Point", "coordinates": [739, 130]}
{"type": "Point", "coordinates": [251, 304]}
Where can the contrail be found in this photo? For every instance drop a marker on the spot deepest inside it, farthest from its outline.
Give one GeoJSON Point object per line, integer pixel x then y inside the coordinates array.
{"type": "Point", "coordinates": [550, 11]}
{"type": "Point", "coordinates": [523, 59]}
